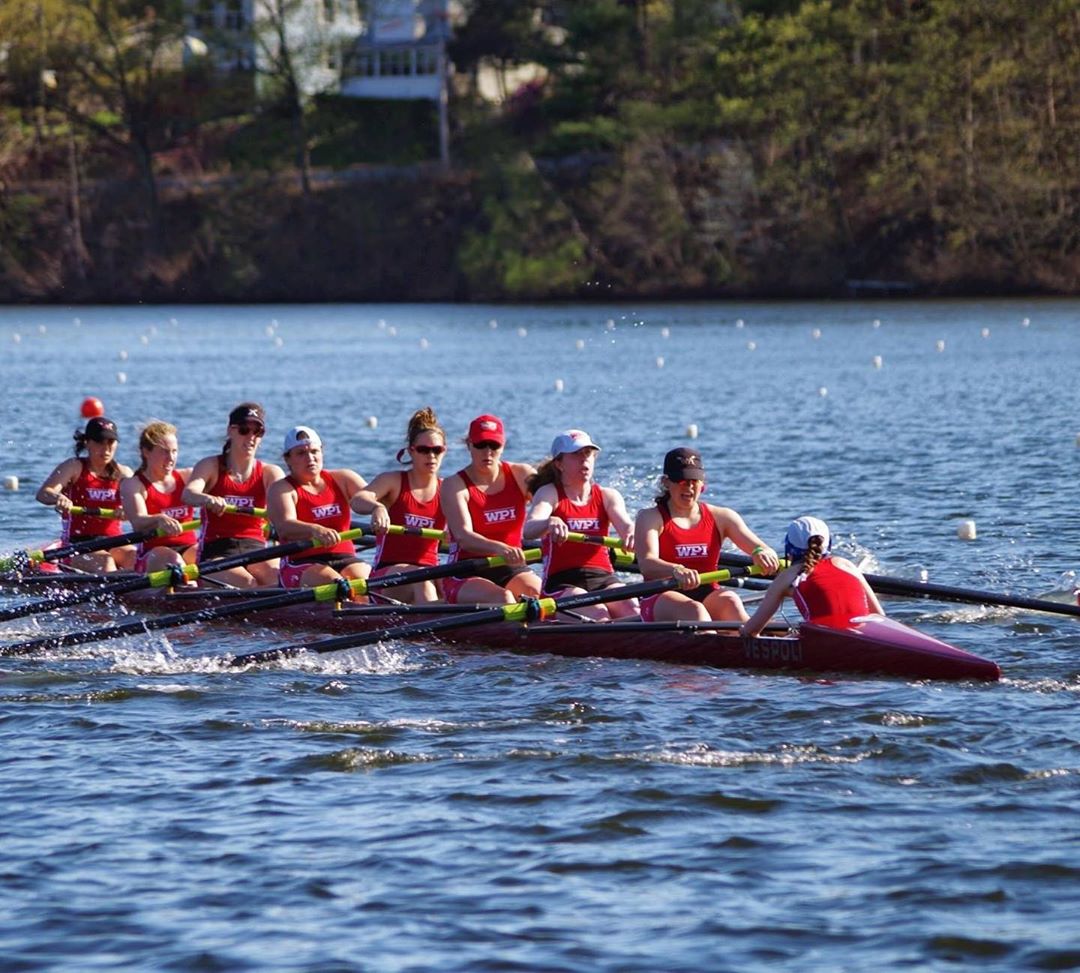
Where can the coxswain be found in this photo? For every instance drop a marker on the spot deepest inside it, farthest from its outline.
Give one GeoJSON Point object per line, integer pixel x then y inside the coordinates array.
{"type": "Point", "coordinates": [410, 499]}
{"type": "Point", "coordinates": [91, 482]}
{"type": "Point", "coordinates": [485, 511]}
{"type": "Point", "coordinates": [681, 537]}
{"type": "Point", "coordinates": [153, 500]}
{"type": "Point", "coordinates": [827, 589]}
{"type": "Point", "coordinates": [567, 500]}
{"type": "Point", "coordinates": [235, 477]}
{"type": "Point", "coordinates": [312, 504]}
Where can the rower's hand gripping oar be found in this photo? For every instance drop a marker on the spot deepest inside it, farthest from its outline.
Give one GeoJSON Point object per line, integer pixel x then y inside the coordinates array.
{"type": "Point", "coordinates": [339, 590]}
{"type": "Point", "coordinates": [530, 610]}
{"type": "Point", "coordinates": [940, 592]}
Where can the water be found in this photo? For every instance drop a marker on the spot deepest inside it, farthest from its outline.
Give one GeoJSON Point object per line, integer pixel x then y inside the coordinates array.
{"type": "Point", "coordinates": [408, 808]}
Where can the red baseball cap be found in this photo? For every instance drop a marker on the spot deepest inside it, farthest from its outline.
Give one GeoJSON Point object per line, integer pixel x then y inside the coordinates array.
{"type": "Point", "coordinates": [487, 429]}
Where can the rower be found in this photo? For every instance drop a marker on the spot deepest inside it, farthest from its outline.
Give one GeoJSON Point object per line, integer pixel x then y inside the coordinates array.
{"type": "Point", "coordinates": [408, 498]}
{"type": "Point", "coordinates": [681, 536]}
{"type": "Point", "coordinates": [567, 500]}
{"type": "Point", "coordinates": [312, 503]}
{"type": "Point", "coordinates": [485, 510]}
{"type": "Point", "coordinates": [153, 500]}
{"type": "Point", "coordinates": [827, 589]}
{"type": "Point", "coordinates": [92, 481]}
{"type": "Point", "coordinates": [235, 477]}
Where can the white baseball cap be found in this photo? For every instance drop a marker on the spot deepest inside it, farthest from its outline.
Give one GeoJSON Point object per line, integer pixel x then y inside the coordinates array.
{"type": "Point", "coordinates": [571, 441]}
{"type": "Point", "coordinates": [799, 532]}
{"type": "Point", "coordinates": [301, 436]}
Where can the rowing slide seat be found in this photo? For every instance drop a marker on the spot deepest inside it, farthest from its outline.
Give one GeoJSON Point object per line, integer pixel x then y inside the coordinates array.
{"type": "Point", "coordinates": [873, 643]}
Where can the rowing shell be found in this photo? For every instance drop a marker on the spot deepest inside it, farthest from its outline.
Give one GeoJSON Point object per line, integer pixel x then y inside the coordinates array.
{"type": "Point", "coordinates": [873, 644]}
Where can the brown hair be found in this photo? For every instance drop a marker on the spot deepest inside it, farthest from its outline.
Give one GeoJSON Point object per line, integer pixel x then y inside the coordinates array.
{"type": "Point", "coordinates": [547, 472]}
{"type": "Point", "coordinates": [815, 551]}
{"type": "Point", "coordinates": [151, 435]}
{"type": "Point", "coordinates": [423, 420]}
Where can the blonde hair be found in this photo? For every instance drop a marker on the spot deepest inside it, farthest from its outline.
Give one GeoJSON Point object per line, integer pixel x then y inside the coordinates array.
{"type": "Point", "coordinates": [547, 472]}
{"type": "Point", "coordinates": [151, 435]}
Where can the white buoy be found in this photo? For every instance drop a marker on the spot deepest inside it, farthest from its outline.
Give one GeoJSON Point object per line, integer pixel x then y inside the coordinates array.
{"type": "Point", "coordinates": [424, 344]}
{"type": "Point", "coordinates": [123, 354]}
{"type": "Point", "coordinates": [985, 332]}
{"type": "Point", "coordinates": [121, 377]}
{"type": "Point", "coordinates": [965, 530]}
{"type": "Point", "coordinates": [876, 361]}
{"type": "Point", "coordinates": [143, 340]}
{"type": "Point", "coordinates": [1026, 323]}
{"type": "Point", "coordinates": [751, 346]}
{"type": "Point", "coordinates": [740, 323]}
{"type": "Point", "coordinates": [823, 392]}
{"type": "Point", "coordinates": [692, 431]}
{"type": "Point", "coordinates": [11, 483]}
{"type": "Point", "coordinates": [493, 324]}
{"type": "Point", "coordinates": [174, 322]}
{"type": "Point", "coordinates": [152, 329]}
{"type": "Point", "coordinates": [392, 331]}
{"type": "Point", "coordinates": [940, 344]}
{"type": "Point", "coordinates": [580, 344]}
{"type": "Point", "coordinates": [372, 421]}
{"type": "Point", "coordinates": [278, 342]}
{"type": "Point", "coordinates": [877, 322]}
{"type": "Point", "coordinates": [559, 385]}
{"type": "Point", "coordinates": [380, 324]}
{"type": "Point", "coordinates": [659, 361]}
{"type": "Point", "coordinates": [41, 329]}
{"type": "Point", "coordinates": [16, 337]}
{"type": "Point", "coordinates": [269, 331]}
{"type": "Point", "coordinates": [609, 324]}
{"type": "Point", "coordinates": [522, 332]}
{"type": "Point", "coordinates": [665, 332]}
{"type": "Point", "coordinates": [815, 333]}
{"type": "Point", "coordinates": [77, 322]}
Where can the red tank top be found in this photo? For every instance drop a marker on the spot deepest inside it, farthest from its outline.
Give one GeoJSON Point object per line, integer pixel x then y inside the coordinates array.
{"type": "Point", "coordinates": [830, 592]}
{"type": "Point", "coordinates": [328, 508]}
{"type": "Point", "coordinates": [590, 518]}
{"type": "Point", "coordinates": [249, 494]}
{"type": "Point", "coordinates": [91, 490]}
{"type": "Point", "coordinates": [496, 516]}
{"type": "Point", "coordinates": [407, 511]}
{"type": "Point", "coordinates": [696, 547]}
{"type": "Point", "coordinates": [170, 504]}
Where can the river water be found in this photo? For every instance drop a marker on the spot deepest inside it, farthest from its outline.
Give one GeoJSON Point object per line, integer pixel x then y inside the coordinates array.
{"type": "Point", "coordinates": [409, 808]}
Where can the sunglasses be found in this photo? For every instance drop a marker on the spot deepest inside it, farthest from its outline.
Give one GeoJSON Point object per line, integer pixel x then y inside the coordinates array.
{"type": "Point", "coordinates": [246, 429]}
{"type": "Point", "coordinates": [430, 450]}
{"type": "Point", "coordinates": [488, 444]}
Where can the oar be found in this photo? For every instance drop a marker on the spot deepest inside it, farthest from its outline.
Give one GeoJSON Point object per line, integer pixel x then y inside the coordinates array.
{"type": "Point", "coordinates": [530, 610]}
{"type": "Point", "coordinates": [165, 577]}
{"type": "Point", "coordinates": [85, 547]}
{"type": "Point", "coordinates": [940, 592]}
{"type": "Point", "coordinates": [333, 591]}
{"type": "Point", "coordinates": [108, 513]}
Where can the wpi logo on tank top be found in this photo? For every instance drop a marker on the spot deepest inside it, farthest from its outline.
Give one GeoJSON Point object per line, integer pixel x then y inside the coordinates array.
{"type": "Point", "coordinates": [500, 516]}
{"type": "Point", "coordinates": [583, 525]}
{"type": "Point", "coordinates": [101, 493]}
{"type": "Point", "coordinates": [416, 520]}
{"type": "Point", "coordinates": [244, 503]}
{"type": "Point", "coordinates": [326, 511]}
{"type": "Point", "coordinates": [691, 550]}
{"type": "Point", "coordinates": [177, 513]}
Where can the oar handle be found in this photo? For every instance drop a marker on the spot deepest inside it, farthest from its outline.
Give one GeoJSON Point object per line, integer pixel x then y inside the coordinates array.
{"type": "Point", "coordinates": [108, 513]}
{"type": "Point", "coordinates": [232, 508]}
{"type": "Point", "coordinates": [612, 542]}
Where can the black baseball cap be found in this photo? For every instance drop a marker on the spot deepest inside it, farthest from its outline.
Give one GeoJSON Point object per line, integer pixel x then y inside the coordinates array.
{"type": "Point", "coordinates": [101, 430]}
{"type": "Point", "coordinates": [683, 463]}
{"type": "Point", "coordinates": [246, 412]}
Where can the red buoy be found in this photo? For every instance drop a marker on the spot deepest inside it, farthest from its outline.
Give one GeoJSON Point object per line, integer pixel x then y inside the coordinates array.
{"type": "Point", "coordinates": [92, 407]}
